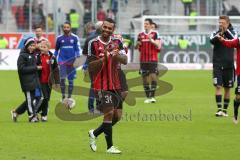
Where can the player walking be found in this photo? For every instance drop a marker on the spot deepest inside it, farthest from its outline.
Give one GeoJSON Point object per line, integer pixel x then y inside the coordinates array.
{"type": "Point", "coordinates": [67, 50]}
{"type": "Point", "coordinates": [104, 56]}
{"type": "Point", "coordinates": [149, 45]}
{"type": "Point", "coordinates": [223, 64]}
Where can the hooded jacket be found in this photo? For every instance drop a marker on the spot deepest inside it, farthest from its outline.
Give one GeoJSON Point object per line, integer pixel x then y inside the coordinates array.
{"type": "Point", "coordinates": [27, 71]}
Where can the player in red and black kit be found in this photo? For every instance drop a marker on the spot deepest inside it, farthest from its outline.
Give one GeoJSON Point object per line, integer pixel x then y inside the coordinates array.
{"type": "Point", "coordinates": [149, 45]}
{"type": "Point", "coordinates": [104, 56]}
{"type": "Point", "coordinates": [235, 43]}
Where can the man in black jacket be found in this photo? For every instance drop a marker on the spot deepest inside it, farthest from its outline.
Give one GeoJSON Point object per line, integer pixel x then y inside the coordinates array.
{"type": "Point", "coordinates": [223, 64]}
{"type": "Point", "coordinates": [29, 80]}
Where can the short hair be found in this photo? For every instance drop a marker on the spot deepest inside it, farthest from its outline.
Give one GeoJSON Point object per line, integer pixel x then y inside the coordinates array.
{"type": "Point", "coordinates": [155, 24]}
{"type": "Point", "coordinates": [110, 20]}
{"type": "Point", "coordinates": [38, 26]}
{"type": "Point", "coordinates": [149, 20]}
{"type": "Point", "coordinates": [47, 43]}
{"type": "Point", "coordinates": [225, 18]}
{"type": "Point", "coordinates": [98, 24]}
{"type": "Point", "coordinates": [67, 23]}
{"type": "Point", "coordinates": [90, 25]}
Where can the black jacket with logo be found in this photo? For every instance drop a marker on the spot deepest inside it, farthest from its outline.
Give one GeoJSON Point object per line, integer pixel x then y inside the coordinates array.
{"type": "Point", "coordinates": [223, 57]}
{"type": "Point", "coordinates": [27, 71]}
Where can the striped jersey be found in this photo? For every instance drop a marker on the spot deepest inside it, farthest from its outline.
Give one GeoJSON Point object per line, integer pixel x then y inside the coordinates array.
{"type": "Point", "coordinates": [148, 51]}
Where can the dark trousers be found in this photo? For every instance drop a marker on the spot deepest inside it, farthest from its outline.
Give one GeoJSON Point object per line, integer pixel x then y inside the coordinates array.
{"type": "Point", "coordinates": [46, 91]}
{"type": "Point", "coordinates": [91, 99]}
{"type": "Point", "coordinates": [187, 8]}
{"type": "Point", "coordinates": [27, 104]}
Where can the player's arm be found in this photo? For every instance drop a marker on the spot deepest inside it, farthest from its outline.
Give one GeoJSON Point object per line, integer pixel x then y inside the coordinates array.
{"type": "Point", "coordinates": [57, 47]}
{"type": "Point", "coordinates": [234, 43]}
{"type": "Point", "coordinates": [121, 58]}
{"type": "Point", "coordinates": [138, 43]}
{"type": "Point", "coordinates": [214, 37]}
{"type": "Point", "coordinates": [120, 54]}
{"type": "Point", "coordinates": [94, 63]}
{"type": "Point", "coordinates": [155, 41]}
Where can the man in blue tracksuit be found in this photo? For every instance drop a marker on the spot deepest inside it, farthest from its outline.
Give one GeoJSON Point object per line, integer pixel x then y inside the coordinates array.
{"type": "Point", "coordinates": [67, 50]}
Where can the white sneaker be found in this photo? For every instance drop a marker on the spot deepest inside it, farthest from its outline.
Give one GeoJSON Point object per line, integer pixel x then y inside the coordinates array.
{"type": "Point", "coordinates": [224, 114]}
{"type": "Point", "coordinates": [148, 100]}
{"type": "Point", "coordinates": [235, 121]}
{"type": "Point", "coordinates": [113, 150]}
{"type": "Point", "coordinates": [219, 114]}
{"type": "Point", "coordinates": [14, 116]}
{"type": "Point", "coordinates": [44, 118]}
{"type": "Point", "coordinates": [92, 142]}
{"type": "Point", "coordinates": [33, 119]}
{"type": "Point", "coordinates": [153, 100]}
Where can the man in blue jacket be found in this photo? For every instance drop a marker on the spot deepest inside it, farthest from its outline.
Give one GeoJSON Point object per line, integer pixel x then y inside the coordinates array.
{"type": "Point", "coordinates": [67, 50]}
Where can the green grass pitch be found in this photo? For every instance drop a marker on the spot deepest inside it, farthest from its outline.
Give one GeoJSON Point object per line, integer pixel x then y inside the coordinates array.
{"type": "Point", "coordinates": [197, 135]}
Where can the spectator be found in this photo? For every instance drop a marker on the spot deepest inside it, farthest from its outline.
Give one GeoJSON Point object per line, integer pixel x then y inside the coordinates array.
{"type": "Point", "coordinates": [193, 22]}
{"type": "Point", "coordinates": [26, 13]}
{"type": "Point", "coordinates": [3, 42]}
{"type": "Point", "coordinates": [1, 7]}
{"type": "Point", "coordinates": [101, 15]}
{"type": "Point", "coordinates": [41, 13]}
{"type": "Point", "coordinates": [36, 18]}
{"type": "Point", "coordinates": [87, 4]}
{"type": "Point", "coordinates": [61, 18]}
{"type": "Point", "coordinates": [187, 7]}
{"type": "Point", "coordinates": [114, 4]}
{"type": "Point", "coordinates": [110, 14]}
{"type": "Point", "coordinates": [183, 43]}
{"type": "Point", "coordinates": [233, 12]}
{"type": "Point", "coordinates": [87, 16]}
{"type": "Point", "coordinates": [20, 18]}
{"type": "Point", "coordinates": [50, 22]}
{"type": "Point", "coordinates": [74, 20]}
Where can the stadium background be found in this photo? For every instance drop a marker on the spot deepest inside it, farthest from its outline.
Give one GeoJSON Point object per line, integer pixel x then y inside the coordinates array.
{"type": "Point", "coordinates": [203, 136]}
{"type": "Point", "coordinates": [18, 17]}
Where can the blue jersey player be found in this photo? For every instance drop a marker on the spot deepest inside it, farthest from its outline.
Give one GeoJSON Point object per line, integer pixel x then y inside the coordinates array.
{"type": "Point", "coordinates": [67, 50]}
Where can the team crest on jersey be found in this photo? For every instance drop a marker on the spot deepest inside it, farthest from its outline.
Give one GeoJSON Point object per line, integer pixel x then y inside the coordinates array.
{"type": "Point", "coordinates": [151, 36]}
{"type": "Point", "coordinates": [71, 41]}
{"type": "Point", "coordinates": [62, 41]}
{"type": "Point", "coordinates": [142, 36]}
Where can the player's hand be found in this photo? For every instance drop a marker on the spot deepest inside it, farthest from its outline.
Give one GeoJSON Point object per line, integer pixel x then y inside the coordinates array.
{"type": "Point", "coordinates": [115, 52]}
{"type": "Point", "coordinates": [138, 44]}
{"type": "Point", "coordinates": [151, 40]}
{"type": "Point", "coordinates": [39, 67]}
{"type": "Point", "coordinates": [56, 86]}
{"type": "Point", "coordinates": [85, 71]}
{"type": "Point", "coordinates": [220, 38]}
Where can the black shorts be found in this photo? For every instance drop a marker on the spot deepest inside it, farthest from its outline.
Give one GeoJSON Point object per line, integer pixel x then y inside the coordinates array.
{"type": "Point", "coordinates": [148, 67]}
{"type": "Point", "coordinates": [108, 99]}
{"type": "Point", "coordinates": [123, 80]}
{"type": "Point", "coordinates": [223, 77]}
{"type": "Point", "coordinates": [237, 89]}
